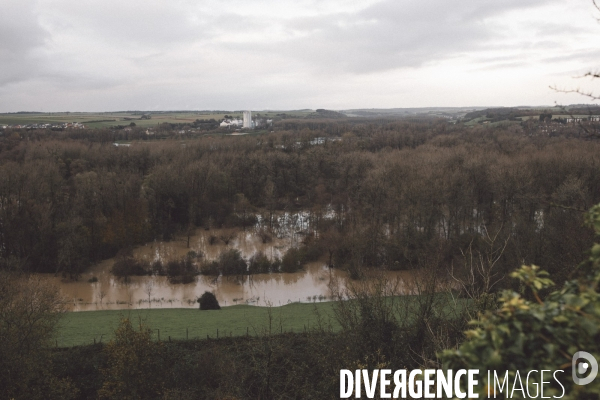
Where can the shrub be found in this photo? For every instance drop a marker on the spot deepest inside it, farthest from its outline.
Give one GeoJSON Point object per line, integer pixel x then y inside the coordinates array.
{"type": "Point", "coordinates": [181, 271]}
{"type": "Point", "coordinates": [259, 264]}
{"type": "Point", "coordinates": [134, 370]}
{"type": "Point", "coordinates": [208, 301]}
{"type": "Point", "coordinates": [292, 260]}
{"type": "Point", "coordinates": [180, 267]}
{"type": "Point", "coordinates": [129, 266]}
{"type": "Point", "coordinates": [231, 263]}
{"type": "Point", "coordinates": [209, 268]}
{"type": "Point", "coordinates": [193, 254]}
{"type": "Point", "coordinates": [311, 249]}
{"type": "Point", "coordinates": [276, 264]}
{"type": "Point", "coordinates": [158, 268]}
{"type": "Point", "coordinates": [31, 309]}
{"type": "Point", "coordinates": [542, 334]}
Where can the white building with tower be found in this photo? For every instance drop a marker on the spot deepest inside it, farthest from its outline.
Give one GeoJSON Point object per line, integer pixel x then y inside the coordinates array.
{"type": "Point", "coordinates": [248, 120]}
{"type": "Point", "coordinates": [231, 122]}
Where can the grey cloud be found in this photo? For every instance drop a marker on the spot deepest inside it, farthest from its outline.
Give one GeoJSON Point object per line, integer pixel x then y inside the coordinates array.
{"type": "Point", "coordinates": [590, 56]}
{"type": "Point", "coordinates": [20, 36]}
{"type": "Point", "coordinates": [163, 50]}
{"type": "Point", "coordinates": [554, 29]}
{"type": "Point", "coordinates": [129, 24]}
{"type": "Point", "coordinates": [392, 34]}
{"type": "Point", "coordinates": [20, 30]}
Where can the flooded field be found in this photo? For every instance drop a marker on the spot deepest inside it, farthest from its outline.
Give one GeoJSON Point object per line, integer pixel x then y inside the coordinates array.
{"type": "Point", "coordinates": [308, 285]}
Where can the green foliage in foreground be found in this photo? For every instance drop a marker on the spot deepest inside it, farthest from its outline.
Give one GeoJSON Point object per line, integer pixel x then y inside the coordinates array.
{"type": "Point", "coordinates": [539, 334]}
{"type": "Point", "coordinates": [133, 370]}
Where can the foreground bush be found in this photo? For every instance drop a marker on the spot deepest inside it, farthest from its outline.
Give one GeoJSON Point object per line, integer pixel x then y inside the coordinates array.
{"type": "Point", "coordinates": [134, 370]}
{"type": "Point", "coordinates": [541, 334]}
{"type": "Point", "coordinates": [30, 309]}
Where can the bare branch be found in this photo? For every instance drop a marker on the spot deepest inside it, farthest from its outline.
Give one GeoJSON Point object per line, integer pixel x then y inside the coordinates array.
{"type": "Point", "coordinates": [592, 74]}
{"type": "Point", "coordinates": [578, 91]}
{"type": "Point", "coordinates": [591, 133]}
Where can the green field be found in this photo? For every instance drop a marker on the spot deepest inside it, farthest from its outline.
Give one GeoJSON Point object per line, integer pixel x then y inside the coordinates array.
{"type": "Point", "coordinates": [80, 328]}
{"type": "Point", "coordinates": [105, 120]}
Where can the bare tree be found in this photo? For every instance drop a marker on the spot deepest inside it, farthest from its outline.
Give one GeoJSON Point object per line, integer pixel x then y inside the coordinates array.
{"type": "Point", "coordinates": [593, 129]}
{"type": "Point", "coordinates": [30, 309]}
{"type": "Point", "coordinates": [481, 271]}
{"type": "Point", "coordinates": [101, 296]}
{"type": "Point", "coordinates": [148, 288]}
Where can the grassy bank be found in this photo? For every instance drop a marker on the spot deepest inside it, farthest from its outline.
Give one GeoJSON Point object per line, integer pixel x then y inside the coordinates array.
{"type": "Point", "coordinates": [80, 328]}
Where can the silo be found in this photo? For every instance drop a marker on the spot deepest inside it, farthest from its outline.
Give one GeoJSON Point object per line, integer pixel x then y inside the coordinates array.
{"type": "Point", "coordinates": [247, 119]}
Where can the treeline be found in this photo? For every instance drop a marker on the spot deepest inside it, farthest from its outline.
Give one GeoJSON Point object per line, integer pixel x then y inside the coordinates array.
{"type": "Point", "coordinates": [395, 194]}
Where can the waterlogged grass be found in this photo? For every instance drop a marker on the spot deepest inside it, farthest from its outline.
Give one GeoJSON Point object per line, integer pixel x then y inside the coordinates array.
{"type": "Point", "coordinates": [80, 328]}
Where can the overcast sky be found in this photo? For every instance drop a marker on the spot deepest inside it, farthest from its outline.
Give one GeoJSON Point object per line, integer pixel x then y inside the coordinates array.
{"type": "Point", "coordinates": [92, 55]}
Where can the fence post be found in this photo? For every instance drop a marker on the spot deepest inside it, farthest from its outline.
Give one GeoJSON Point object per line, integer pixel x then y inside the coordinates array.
{"type": "Point", "coordinates": [186, 333]}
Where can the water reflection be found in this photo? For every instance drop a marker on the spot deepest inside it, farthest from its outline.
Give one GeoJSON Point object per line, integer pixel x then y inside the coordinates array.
{"type": "Point", "coordinates": [110, 293]}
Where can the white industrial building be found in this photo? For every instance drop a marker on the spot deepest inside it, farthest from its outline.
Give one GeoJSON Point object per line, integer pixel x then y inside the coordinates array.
{"type": "Point", "coordinates": [248, 120]}
{"type": "Point", "coordinates": [231, 122]}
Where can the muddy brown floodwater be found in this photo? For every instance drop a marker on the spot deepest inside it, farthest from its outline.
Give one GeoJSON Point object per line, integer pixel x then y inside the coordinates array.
{"type": "Point", "coordinates": [110, 293]}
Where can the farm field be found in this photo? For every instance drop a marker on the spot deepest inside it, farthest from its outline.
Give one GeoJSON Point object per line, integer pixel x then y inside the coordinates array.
{"type": "Point", "coordinates": [81, 328]}
{"type": "Point", "coordinates": [107, 119]}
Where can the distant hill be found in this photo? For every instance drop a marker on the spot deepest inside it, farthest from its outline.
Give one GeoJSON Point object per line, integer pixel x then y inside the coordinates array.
{"type": "Point", "coordinates": [516, 113]}
{"type": "Point", "coordinates": [447, 112]}
{"type": "Point", "coordinates": [500, 114]}
{"type": "Point", "coordinates": [583, 109]}
{"type": "Point", "coordinates": [325, 114]}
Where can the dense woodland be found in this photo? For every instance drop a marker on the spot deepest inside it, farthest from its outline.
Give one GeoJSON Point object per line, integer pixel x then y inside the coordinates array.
{"type": "Point", "coordinates": [473, 203]}
{"type": "Point", "coordinates": [403, 194]}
